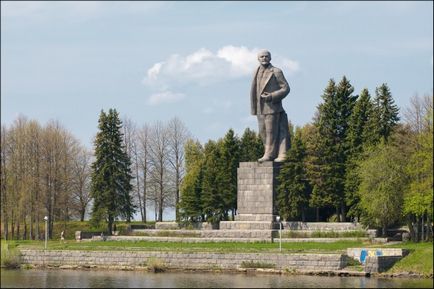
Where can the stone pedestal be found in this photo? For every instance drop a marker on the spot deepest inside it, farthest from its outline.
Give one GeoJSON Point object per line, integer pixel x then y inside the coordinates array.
{"type": "Point", "coordinates": [257, 184]}
{"type": "Point", "coordinates": [256, 207]}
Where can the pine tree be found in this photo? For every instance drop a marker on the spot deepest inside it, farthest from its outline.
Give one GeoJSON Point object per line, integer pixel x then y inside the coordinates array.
{"type": "Point", "coordinates": [357, 138]}
{"type": "Point", "coordinates": [384, 118]}
{"type": "Point", "coordinates": [230, 152]}
{"type": "Point", "coordinates": [251, 147]}
{"type": "Point", "coordinates": [212, 199]}
{"type": "Point", "coordinates": [294, 189]}
{"type": "Point", "coordinates": [332, 148]}
{"type": "Point", "coordinates": [111, 173]}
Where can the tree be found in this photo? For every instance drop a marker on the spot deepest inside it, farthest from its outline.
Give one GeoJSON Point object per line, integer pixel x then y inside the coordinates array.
{"type": "Point", "coordinates": [212, 200]}
{"type": "Point", "coordinates": [382, 186]}
{"type": "Point", "coordinates": [384, 118]}
{"type": "Point", "coordinates": [178, 135]}
{"type": "Point", "coordinates": [230, 158]}
{"type": "Point", "coordinates": [357, 139]}
{"type": "Point", "coordinates": [111, 173]}
{"type": "Point", "coordinates": [418, 197]}
{"type": "Point", "coordinates": [81, 183]}
{"type": "Point", "coordinates": [251, 147]}
{"type": "Point", "coordinates": [332, 149]}
{"type": "Point", "coordinates": [190, 206]}
{"type": "Point", "coordinates": [131, 143]}
{"type": "Point", "coordinates": [162, 191]}
{"type": "Point", "coordinates": [144, 161]}
{"type": "Point", "coordinates": [294, 189]}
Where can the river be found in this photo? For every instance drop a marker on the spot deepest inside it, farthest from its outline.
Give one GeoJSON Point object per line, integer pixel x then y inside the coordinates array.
{"type": "Point", "coordinates": [132, 279]}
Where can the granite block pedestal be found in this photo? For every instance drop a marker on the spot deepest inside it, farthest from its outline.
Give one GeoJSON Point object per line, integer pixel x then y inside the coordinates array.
{"type": "Point", "coordinates": [256, 198]}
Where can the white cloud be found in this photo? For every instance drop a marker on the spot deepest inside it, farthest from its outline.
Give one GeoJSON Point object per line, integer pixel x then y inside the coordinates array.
{"type": "Point", "coordinates": [203, 67]}
{"type": "Point", "coordinates": [165, 97]}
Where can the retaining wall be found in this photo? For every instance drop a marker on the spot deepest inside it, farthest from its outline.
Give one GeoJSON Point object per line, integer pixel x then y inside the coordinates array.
{"type": "Point", "coordinates": [322, 226]}
{"type": "Point", "coordinates": [378, 264]}
{"type": "Point", "coordinates": [182, 260]}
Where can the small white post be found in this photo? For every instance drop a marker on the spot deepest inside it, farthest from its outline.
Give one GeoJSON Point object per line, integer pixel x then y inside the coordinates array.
{"type": "Point", "coordinates": [280, 233]}
{"type": "Point", "coordinates": [46, 231]}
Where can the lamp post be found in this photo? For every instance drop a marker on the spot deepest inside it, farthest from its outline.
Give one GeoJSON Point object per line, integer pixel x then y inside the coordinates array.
{"type": "Point", "coordinates": [280, 233]}
{"type": "Point", "coordinates": [46, 231]}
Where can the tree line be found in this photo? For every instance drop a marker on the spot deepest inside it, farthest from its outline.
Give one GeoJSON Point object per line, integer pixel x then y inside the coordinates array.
{"type": "Point", "coordinates": [46, 171]}
{"type": "Point", "coordinates": [356, 160]}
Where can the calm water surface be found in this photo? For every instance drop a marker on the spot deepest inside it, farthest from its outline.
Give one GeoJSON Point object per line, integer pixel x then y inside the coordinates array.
{"type": "Point", "coordinates": [130, 279]}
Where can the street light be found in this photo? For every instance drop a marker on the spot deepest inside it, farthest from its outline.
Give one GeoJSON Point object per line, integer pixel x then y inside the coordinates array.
{"type": "Point", "coordinates": [280, 233]}
{"type": "Point", "coordinates": [46, 231]}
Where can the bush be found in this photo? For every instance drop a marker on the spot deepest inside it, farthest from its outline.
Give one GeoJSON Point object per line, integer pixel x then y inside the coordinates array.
{"type": "Point", "coordinates": [10, 256]}
{"type": "Point", "coordinates": [156, 265]}
{"type": "Point", "coordinates": [252, 264]}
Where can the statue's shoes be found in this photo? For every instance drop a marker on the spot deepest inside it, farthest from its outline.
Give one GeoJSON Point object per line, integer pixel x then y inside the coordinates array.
{"type": "Point", "coordinates": [265, 159]}
{"type": "Point", "coordinates": [280, 159]}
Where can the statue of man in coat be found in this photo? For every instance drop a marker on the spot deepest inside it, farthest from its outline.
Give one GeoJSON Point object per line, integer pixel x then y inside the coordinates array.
{"type": "Point", "coordinates": [269, 87]}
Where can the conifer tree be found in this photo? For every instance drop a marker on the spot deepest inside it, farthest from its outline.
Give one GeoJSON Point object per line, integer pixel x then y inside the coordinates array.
{"type": "Point", "coordinates": [213, 204]}
{"type": "Point", "coordinates": [251, 146]}
{"type": "Point", "coordinates": [111, 173]}
{"type": "Point", "coordinates": [357, 138]}
{"type": "Point", "coordinates": [332, 122]}
{"type": "Point", "coordinates": [384, 118]}
{"type": "Point", "coordinates": [230, 152]}
{"type": "Point", "coordinates": [294, 189]}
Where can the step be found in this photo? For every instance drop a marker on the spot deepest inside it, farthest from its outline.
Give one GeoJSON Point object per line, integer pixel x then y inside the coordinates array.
{"type": "Point", "coordinates": [248, 225]}
{"type": "Point", "coordinates": [262, 234]}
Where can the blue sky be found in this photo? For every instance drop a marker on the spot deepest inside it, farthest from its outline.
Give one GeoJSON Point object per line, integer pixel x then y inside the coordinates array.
{"type": "Point", "coordinates": [156, 60]}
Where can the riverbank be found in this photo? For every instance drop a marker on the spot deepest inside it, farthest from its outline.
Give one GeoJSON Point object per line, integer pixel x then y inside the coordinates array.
{"type": "Point", "coordinates": [418, 263]}
{"type": "Point", "coordinates": [248, 271]}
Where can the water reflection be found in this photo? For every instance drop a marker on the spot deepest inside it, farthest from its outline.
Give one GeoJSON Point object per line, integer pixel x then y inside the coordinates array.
{"type": "Point", "coordinates": [134, 279]}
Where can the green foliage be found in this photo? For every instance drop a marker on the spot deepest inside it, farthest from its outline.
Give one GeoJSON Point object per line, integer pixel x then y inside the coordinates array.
{"type": "Point", "coordinates": [419, 197]}
{"type": "Point", "coordinates": [10, 256]}
{"type": "Point", "coordinates": [383, 182]}
{"type": "Point", "coordinates": [384, 118]}
{"type": "Point", "coordinates": [209, 189]}
{"type": "Point", "coordinates": [331, 150]}
{"type": "Point", "coordinates": [156, 265]}
{"type": "Point", "coordinates": [212, 199]}
{"type": "Point", "coordinates": [190, 206]}
{"type": "Point", "coordinates": [255, 264]}
{"type": "Point", "coordinates": [230, 158]}
{"type": "Point", "coordinates": [251, 146]}
{"type": "Point", "coordinates": [111, 173]}
{"type": "Point", "coordinates": [357, 138]}
{"type": "Point", "coordinates": [324, 234]}
{"type": "Point", "coordinates": [294, 189]}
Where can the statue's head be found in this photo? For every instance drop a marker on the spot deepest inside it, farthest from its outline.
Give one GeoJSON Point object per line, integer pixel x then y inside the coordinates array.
{"type": "Point", "coordinates": [264, 57]}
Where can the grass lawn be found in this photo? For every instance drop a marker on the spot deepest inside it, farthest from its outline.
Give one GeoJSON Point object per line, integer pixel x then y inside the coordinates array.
{"type": "Point", "coordinates": [420, 259]}
{"type": "Point", "coordinates": [222, 247]}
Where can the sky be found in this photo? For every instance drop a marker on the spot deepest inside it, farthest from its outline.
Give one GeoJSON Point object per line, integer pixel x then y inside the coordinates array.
{"type": "Point", "coordinates": [153, 61]}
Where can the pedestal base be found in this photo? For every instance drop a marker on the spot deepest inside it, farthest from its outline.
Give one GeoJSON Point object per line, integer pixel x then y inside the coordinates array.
{"type": "Point", "coordinates": [257, 183]}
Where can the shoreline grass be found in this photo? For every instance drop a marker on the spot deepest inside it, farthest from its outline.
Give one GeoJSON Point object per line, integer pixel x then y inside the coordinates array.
{"type": "Point", "coordinates": [222, 247]}
{"type": "Point", "coordinates": [419, 261]}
